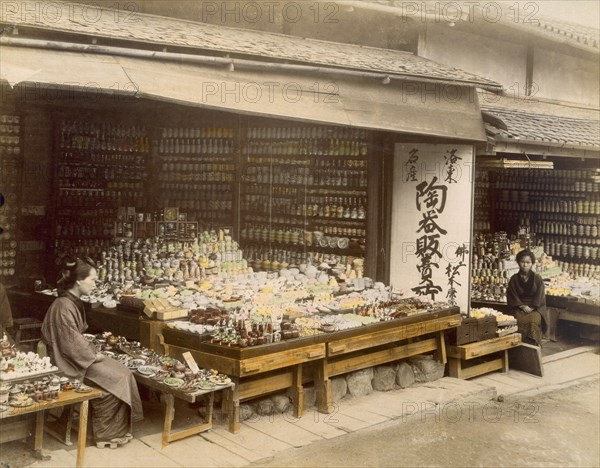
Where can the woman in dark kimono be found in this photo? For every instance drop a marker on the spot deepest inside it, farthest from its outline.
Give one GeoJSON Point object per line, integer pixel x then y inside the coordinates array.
{"type": "Point", "coordinates": [73, 354]}
{"type": "Point", "coordinates": [526, 297]}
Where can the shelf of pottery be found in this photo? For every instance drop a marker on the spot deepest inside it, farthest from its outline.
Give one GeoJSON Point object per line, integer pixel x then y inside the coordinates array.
{"type": "Point", "coordinates": [494, 262]}
{"type": "Point", "coordinates": [10, 182]}
{"type": "Point", "coordinates": [196, 173]}
{"type": "Point", "coordinates": [561, 206]}
{"type": "Point", "coordinates": [99, 167]}
{"type": "Point", "coordinates": [482, 202]}
{"type": "Point", "coordinates": [303, 197]}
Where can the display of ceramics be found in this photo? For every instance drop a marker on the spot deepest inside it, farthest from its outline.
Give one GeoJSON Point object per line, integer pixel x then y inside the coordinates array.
{"type": "Point", "coordinates": [205, 385]}
{"type": "Point", "coordinates": [83, 389]}
{"type": "Point", "coordinates": [135, 363]}
{"type": "Point", "coordinates": [21, 402]}
{"type": "Point", "coordinates": [148, 370]}
{"type": "Point", "coordinates": [220, 379]}
{"type": "Point", "coordinates": [173, 382]}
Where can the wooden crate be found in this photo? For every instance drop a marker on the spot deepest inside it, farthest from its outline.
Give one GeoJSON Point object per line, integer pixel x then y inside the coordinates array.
{"type": "Point", "coordinates": [496, 349]}
{"type": "Point", "coordinates": [466, 332]}
{"type": "Point", "coordinates": [486, 328]}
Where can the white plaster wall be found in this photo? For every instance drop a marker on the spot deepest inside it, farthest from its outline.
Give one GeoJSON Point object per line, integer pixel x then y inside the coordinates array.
{"type": "Point", "coordinates": [564, 78]}
{"type": "Point", "coordinates": [502, 61]}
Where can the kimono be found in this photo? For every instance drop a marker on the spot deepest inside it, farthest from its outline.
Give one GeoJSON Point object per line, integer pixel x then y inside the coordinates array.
{"type": "Point", "coordinates": [528, 292]}
{"type": "Point", "coordinates": [120, 404]}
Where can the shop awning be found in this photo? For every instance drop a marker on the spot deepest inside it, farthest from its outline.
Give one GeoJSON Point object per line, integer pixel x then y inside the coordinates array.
{"type": "Point", "coordinates": [413, 107]}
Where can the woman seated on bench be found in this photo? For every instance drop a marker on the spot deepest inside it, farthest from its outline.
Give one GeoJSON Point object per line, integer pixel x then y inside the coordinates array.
{"type": "Point", "coordinates": [526, 298]}
{"type": "Point", "coordinates": [62, 331]}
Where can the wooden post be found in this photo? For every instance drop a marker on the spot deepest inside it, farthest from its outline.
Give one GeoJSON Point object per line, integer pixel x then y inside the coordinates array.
{"type": "Point", "coordinates": [440, 352]}
{"type": "Point", "coordinates": [323, 387]}
{"type": "Point", "coordinates": [211, 401]}
{"type": "Point", "coordinates": [169, 416]}
{"type": "Point", "coordinates": [298, 391]}
{"type": "Point", "coordinates": [505, 361]}
{"type": "Point", "coordinates": [454, 367]}
{"type": "Point", "coordinates": [39, 434]}
{"type": "Point", "coordinates": [233, 407]}
{"type": "Point", "coordinates": [82, 432]}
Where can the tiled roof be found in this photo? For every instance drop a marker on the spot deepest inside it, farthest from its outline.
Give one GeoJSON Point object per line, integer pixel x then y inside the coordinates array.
{"type": "Point", "coordinates": [239, 42]}
{"type": "Point", "coordinates": [526, 19]}
{"type": "Point", "coordinates": [562, 31]}
{"type": "Point", "coordinates": [533, 127]}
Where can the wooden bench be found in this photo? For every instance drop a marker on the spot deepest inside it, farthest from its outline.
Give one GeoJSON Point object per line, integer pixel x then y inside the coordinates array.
{"type": "Point", "coordinates": [458, 356]}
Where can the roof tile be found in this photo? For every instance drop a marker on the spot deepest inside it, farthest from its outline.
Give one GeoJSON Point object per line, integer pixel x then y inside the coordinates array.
{"type": "Point", "coordinates": [546, 128]}
{"type": "Point", "coordinates": [175, 32]}
{"type": "Point", "coordinates": [522, 18]}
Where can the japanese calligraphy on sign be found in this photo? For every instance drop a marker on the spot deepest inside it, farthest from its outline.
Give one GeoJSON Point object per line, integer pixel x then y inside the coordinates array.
{"type": "Point", "coordinates": [411, 165]}
{"type": "Point", "coordinates": [453, 273]}
{"type": "Point", "coordinates": [431, 201]}
{"type": "Point", "coordinates": [451, 161]}
{"type": "Point", "coordinates": [431, 221]}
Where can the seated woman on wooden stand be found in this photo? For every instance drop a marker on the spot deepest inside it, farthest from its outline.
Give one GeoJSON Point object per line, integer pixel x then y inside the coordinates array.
{"type": "Point", "coordinates": [62, 332]}
{"type": "Point", "coordinates": [526, 298]}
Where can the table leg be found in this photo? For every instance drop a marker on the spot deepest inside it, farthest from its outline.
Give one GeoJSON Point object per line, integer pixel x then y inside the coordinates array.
{"type": "Point", "coordinates": [505, 361]}
{"type": "Point", "coordinates": [233, 407]}
{"type": "Point", "coordinates": [454, 368]}
{"type": "Point", "coordinates": [440, 352]}
{"type": "Point", "coordinates": [211, 401]}
{"type": "Point", "coordinates": [169, 415]}
{"type": "Point", "coordinates": [82, 432]}
{"type": "Point", "coordinates": [298, 391]}
{"type": "Point", "coordinates": [323, 387]}
{"type": "Point", "coordinates": [38, 452]}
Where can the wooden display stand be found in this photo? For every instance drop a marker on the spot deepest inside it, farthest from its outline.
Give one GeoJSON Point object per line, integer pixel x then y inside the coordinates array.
{"type": "Point", "coordinates": [64, 399]}
{"type": "Point", "coordinates": [170, 394]}
{"type": "Point", "coordinates": [254, 371]}
{"type": "Point", "coordinates": [459, 355]}
{"type": "Point", "coordinates": [374, 347]}
{"type": "Point", "coordinates": [264, 369]}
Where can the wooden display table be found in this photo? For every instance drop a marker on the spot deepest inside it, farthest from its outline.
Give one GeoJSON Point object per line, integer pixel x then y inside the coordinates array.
{"type": "Point", "coordinates": [459, 355]}
{"type": "Point", "coordinates": [255, 371]}
{"type": "Point", "coordinates": [64, 399]}
{"type": "Point", "coordinates": [264, 369]}
{"type": "Point", "coordinates": [382, 343]}
{"type": "Point", "coordinates": [170, 394]}
{"type": "Point", "coordinates": [569, 308]}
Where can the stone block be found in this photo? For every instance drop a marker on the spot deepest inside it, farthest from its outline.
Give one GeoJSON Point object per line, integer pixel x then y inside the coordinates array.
{"type": "Point", "coordinates": [281, 403]}
{"type": "Point", "coordinates": [265, 407]}
{"type": "Point", "coordinates": [384, 378]}
{"type": "Point", "coordinates": [310, 397]}
{"type": "Point", "coordinates": [246, 411]}
{"type": "Point", "coordinates": [426, 369]}
{"type": "Point", "coordinates": [405, 377]}
{"type": "Point", "coordinates": [359, 382]}
{"type": "Point", "coordinates": [339, 388]}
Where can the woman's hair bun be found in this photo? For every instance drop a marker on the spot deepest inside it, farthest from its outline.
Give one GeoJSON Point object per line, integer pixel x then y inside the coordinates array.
{"type": "Point", "coordinates": [64, 278]}
{"type": "Point", "coordinates": [69, 263]}
{"type": "Point", "coordinates": [89, 261]}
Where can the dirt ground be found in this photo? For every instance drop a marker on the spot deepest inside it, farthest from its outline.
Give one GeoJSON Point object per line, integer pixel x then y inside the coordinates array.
{"type": "Point", "coordinates": [558, 429]}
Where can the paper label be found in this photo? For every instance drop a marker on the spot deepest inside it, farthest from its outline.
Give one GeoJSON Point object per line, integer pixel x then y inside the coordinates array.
{"type": "Point", "coordinates": [191, 362]}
